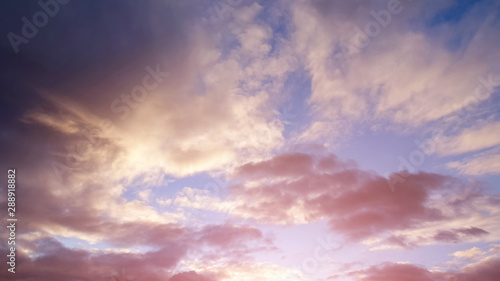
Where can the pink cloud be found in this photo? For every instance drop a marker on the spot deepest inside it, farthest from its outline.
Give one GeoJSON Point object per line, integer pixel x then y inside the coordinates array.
{"type": "Point", "coordinates": [189, 276]}
{"type": "Point", "coordinates": [224, 235]}
{"type": "Point", "coordinates": [300, 188]}
{"type": "Point", "coordinates": [487, 270]}
{"type": "Point", "coordinates": [399, 272]}
{"type": "Point", "coordinates": [54, 262]}
{"type": "Point", "coordinates": [76, 215]}
{"type": "Point", "coordinates": [50, 260]}
{"type": "Point", "coordinates": [455, 235]}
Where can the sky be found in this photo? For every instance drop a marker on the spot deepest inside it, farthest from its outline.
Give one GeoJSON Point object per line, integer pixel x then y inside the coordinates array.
{"type": "Point", "coordinates": [235, 140]}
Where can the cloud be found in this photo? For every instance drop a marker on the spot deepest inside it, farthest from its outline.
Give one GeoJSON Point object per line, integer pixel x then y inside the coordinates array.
{"type": "Point", "coordinates": [89, 142]}
{"type": "Point", "coordinates": [144, 195]}
{"type": "Point", "coordinates": [299, 188]}
{"type": "Point", "coordinates": [212, 112]}
{"type": "Point", "coordinates": [47, 259]}
{"type": "Point", "coordinates": [487, 270]}
{"type": "Point", "coordinates": [189, 276]}
{"type": "Point", "coordinates": [479, 164]}
{"type": "Point", "coordinates": [400, 272]}
{"type": "Point", "coordinates": [247, 271]}
{"type": "Point", "coordinates": [403, 76]}
{"type": "Point", "coordinates": [471, 253]}
{"type": "Point", "coordinates": [469, 140]}
{"type": "Point", "coordinates": [55, 262]}
{"type": "Point", "coordinates": [89, 205]}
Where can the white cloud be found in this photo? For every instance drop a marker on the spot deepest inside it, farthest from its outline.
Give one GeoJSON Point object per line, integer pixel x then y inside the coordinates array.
{"type": "Point", "coordinates": [403, 76]}
{"type": "Point", "coordinates": [481, 164]}
{"type": "Point", "coordinates": [471, 139]}
{"type": "Point", "coordinates": [144, 195]}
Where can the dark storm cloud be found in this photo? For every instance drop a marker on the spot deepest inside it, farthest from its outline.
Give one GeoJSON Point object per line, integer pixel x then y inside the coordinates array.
{"type": "Point", "coordinates": [89, 51]}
